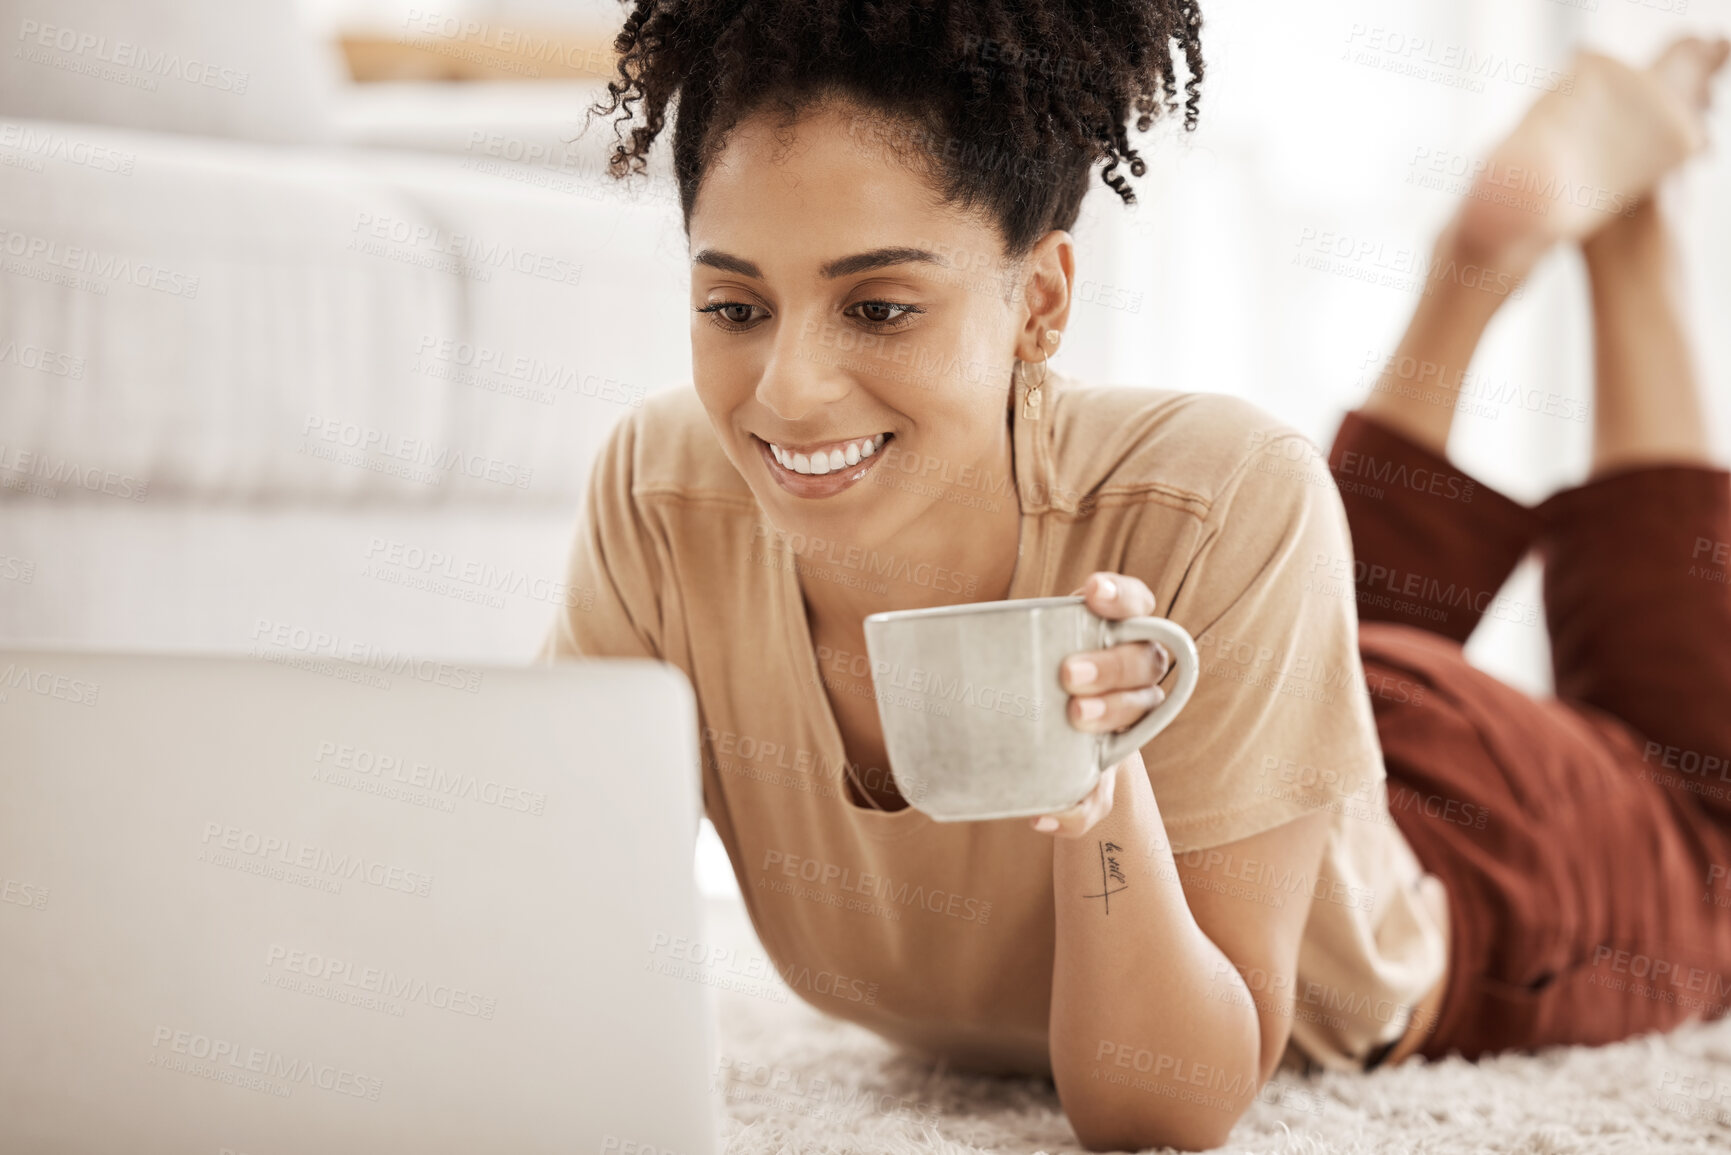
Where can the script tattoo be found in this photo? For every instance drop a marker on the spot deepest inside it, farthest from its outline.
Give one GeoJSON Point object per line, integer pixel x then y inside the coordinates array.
{"type": "Point", "coordinates": [1110, 873]}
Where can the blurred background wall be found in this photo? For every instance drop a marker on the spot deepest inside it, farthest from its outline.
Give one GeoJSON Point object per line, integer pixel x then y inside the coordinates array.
{"type": "Point", "coordinates": [312, 318]}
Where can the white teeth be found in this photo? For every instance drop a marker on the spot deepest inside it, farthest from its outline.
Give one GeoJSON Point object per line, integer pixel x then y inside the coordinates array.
{"type": "Point", "coordinates": [821, 463]}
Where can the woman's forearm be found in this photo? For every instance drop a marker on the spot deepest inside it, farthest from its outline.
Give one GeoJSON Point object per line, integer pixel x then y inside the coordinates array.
{"type": "Point", "coordinates": [1154, 1038]}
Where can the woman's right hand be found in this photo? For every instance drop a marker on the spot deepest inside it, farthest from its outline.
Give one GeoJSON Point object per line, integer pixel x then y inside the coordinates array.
{"type": "Point", "coordinates": [1110, 690]}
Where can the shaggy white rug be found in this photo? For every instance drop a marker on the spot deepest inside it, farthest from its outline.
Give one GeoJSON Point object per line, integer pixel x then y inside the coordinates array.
{"type": "Point", "coordinates": [792, 1081]}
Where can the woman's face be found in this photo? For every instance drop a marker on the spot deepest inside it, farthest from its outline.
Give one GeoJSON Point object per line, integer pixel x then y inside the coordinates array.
{"type": "Point", "coordinates": [867, 332]}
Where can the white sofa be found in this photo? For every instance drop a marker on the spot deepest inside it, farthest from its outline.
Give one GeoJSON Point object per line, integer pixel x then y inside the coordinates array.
{"type": "Point", "coordinates": [200, 339]}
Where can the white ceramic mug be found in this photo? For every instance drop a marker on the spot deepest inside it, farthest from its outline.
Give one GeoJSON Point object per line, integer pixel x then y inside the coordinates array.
{"type": "Point", "coordinates": [975, 717]}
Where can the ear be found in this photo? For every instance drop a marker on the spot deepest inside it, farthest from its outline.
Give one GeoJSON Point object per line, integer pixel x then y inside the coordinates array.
{"type": "Point", "coordinates": [1049, 273]}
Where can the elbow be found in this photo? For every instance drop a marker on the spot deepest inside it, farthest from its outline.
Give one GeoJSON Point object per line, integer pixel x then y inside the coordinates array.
{"type": "Point", "coordinates": [1099, 1131]}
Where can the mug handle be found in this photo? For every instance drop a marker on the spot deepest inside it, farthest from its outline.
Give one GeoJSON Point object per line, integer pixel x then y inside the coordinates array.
{"type": "Point", "coordinates": [1179, 644]}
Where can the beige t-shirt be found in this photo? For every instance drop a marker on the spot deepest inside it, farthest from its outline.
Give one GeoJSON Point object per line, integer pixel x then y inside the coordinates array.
{"type": "Point", "coordinates": [940, 935]}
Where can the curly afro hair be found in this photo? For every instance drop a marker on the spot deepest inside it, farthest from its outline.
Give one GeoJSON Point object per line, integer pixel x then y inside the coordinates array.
{"type": "Point", "coordinates": [1007, 105]}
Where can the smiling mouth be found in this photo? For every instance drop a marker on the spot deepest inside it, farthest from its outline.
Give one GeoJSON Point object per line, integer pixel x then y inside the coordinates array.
{"type": "Point", "coordinates": [828, 457]}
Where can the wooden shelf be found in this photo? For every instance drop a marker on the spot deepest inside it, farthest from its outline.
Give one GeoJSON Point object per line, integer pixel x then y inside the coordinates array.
{"type": "Point", "coordinates": [487, 53]}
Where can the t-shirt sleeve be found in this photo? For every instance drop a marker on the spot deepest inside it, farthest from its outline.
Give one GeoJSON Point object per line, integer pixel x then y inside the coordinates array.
{"type": "Point", "coordinates": [1280, 723]}
{"type": "Point", "coordinates": [612, 603]}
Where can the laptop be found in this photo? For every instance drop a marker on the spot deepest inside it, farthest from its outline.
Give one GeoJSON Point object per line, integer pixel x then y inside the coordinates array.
{"type": "Point", "coordinates": [256, 908]}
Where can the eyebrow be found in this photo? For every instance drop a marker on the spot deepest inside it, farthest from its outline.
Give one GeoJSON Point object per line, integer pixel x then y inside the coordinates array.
{"type": "Point", "coordinates": [840, 267]}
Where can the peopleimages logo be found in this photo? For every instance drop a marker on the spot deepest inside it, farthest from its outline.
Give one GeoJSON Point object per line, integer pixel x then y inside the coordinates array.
{"type": "Point", "coordinates": [438, 461]}
{"type": "Point", "coordinates": [879, 886]}
{"type": "Point", "coordinates": [42, 360]}
{"type": "Point", "coordinates": [533, 374]}
{"type": "Point", "coordinates": [707, 963]}
{"type": "Point", "coordinates": [1428, 594]}
{"type": "Point", "coordinates": [438, 780]}
{"type": "Point", "coordinates": [43, 475]}
{"type": "Point", "coordinates": [472, 252]}
{"type": "Point", "coordinates": [866, 562]}
{"type": "Point", "coordinates": [318, 861]}
{"type": "Point", "coordinates": [92, 49]}
{"type": "Point", "coordinates": [104, 266]}
{"type": "Point", "coordinates": [216, 1058]}
{"type": "Point", "coordinates": [39, 143]}
{"type": "Point", "coordinates": [48, 684]}
{"type": "Point", "coordinates": [21, 893]}
{"type": "Point", "coordinates": [381, 981]}
{"type": "Point", "coordinates": [409, 565]}
{"type": "Point", "coordinates": [357, 655]}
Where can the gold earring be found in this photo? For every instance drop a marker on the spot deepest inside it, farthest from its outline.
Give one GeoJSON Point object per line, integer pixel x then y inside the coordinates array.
{"type": "Point", "coordinates": [1031, 403]}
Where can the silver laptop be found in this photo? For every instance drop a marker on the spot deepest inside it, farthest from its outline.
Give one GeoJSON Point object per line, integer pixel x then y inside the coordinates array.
{"type": "Point", "coordinates": [256, 908]}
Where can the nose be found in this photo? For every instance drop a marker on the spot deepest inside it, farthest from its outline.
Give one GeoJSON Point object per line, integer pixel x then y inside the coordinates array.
{"type": "Point", "coordinates": [803, 373]}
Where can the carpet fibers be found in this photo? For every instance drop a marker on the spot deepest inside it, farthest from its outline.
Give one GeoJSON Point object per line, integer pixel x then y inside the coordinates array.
{"type": "Point", "coordinates": [790, 1079]}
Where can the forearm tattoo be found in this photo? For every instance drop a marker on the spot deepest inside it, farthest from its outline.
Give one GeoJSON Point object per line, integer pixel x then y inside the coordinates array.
{"type": "Point", "coordinates": [1112, 878]}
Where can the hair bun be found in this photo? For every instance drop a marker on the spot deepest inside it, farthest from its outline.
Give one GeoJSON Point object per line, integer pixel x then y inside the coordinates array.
{"type": "Point", "coordinates": [1012, 104]}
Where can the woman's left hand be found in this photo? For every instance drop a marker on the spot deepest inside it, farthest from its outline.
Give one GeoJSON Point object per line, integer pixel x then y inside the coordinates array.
{"type": "Point", "coordinates": [1109, 690]}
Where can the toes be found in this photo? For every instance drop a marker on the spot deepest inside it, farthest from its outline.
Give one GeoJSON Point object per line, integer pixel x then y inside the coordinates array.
{"type": "Point", "coordinates": [1687, 67]}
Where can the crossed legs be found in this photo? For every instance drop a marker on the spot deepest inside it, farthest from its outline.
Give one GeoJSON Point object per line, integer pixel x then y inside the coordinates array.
{"type": "Point", "coordinates": [1646, 396]}
{"type": "Point", "coordinates": [1610, 807]}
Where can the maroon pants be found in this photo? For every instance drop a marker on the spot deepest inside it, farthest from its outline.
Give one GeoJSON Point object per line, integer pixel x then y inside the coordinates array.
{"type": "Point", "coordinates": [1585, 839]}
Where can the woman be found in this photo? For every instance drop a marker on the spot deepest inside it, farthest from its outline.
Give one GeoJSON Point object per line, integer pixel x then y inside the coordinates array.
{"type": "Point", "coordinates": [877, 204]}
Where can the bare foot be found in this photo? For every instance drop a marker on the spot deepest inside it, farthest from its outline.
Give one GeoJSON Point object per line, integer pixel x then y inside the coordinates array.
{"type": "Point", "coordinates": [1581, 158]}
{"type": "Point", "coordinates": [1687, 67]}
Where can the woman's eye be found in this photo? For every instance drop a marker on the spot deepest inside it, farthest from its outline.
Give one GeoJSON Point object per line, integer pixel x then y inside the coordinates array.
{"type": "Point", "coordinates": [730, 314]}
{"type": "Point", "coordinates": [886, 313]}
{"type": "Point", "coordinates": [738, 315]}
